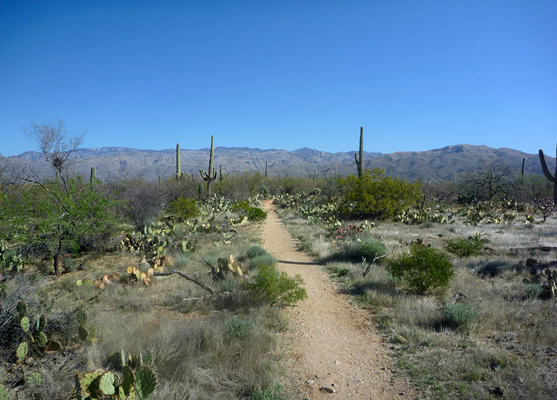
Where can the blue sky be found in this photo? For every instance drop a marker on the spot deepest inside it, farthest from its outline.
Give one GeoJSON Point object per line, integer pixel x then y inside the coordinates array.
{"type": "Point", "coordinates": [282, 74]}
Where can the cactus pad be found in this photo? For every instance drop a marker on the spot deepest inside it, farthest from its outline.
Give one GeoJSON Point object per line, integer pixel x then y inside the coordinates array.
{"type": "Point", "coordinates": [106, 383]}
{"type": "Point", "coordinates": [21, 351]}
{"type": "Point", "coordinates": [24, 323]}
{"type": "Point", "coordinates": [4, 394]}
{"type": "Point", "coordinates": [21, 308]}
{"type": "Point", "coordinates": [145, 382]}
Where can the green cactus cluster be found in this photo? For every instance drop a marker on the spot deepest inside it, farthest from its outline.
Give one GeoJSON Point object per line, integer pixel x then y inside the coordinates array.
{"type": "Point", "coordinates": [9, 259]}
{"type": "Point", "coordinates": [226, 266]}
{"type": "Point", "coordinates": [105, 384]}
{"type": "Point", "coordinates": [153, 240]}
{"type": "Point", "coordinates": [416, 217]}
{"type": "Point", "coordinates": [87, 336]}
{"type": "Point", "coordinates": [34, 333]}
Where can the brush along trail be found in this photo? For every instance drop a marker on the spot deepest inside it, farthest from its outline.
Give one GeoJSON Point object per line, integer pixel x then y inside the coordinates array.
{"type": "Point", "coordinates": [333, 351]}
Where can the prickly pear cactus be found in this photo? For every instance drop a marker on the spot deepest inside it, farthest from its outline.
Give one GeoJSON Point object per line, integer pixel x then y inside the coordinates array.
{"type": "Point", "coordinates": [21, 352]}
{"type": "Point", "coordinates": [24, 324]}
{"type": "Point", "coordinates": [4, 394]}
{"type": "Point", "coordinates": [106, 384]}
{"type": "Point", "coordinates": [145, 382]}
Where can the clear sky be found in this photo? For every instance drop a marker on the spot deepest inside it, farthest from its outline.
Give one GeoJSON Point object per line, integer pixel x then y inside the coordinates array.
{"type": "Point", "coordinates": [281, 74]}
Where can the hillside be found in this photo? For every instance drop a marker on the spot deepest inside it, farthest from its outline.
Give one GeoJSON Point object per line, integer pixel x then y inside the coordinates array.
{"type": "Point", "coordinates": [444, 163]}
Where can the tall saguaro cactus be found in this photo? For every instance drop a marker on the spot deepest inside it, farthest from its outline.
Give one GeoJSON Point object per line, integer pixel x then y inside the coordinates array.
{"type": "Point", "coordinates": [93, 177]}
{"type": "Point", "coordinates": [211, 174]}
{"type": "Point", "coordinates": [360, 160]}
{"type": "Point", "coordinates": [178, 163]}
{"type": "Point", "coordinates": [548, 174]}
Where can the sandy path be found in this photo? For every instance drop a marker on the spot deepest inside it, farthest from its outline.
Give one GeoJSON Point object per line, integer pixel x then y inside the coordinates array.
{"type": "Point", "coordinates": [329, 340]}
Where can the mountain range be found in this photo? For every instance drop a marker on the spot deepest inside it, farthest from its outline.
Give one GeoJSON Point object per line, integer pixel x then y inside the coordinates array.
{"type": "Point", "coordinates": [122, 163]}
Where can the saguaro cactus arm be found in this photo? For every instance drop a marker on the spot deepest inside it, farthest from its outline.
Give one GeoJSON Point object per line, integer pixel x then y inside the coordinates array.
{"type": "Point", "coordinates": [548, 175]}
{"type": "Point", "coordinates": [360, 159]}
{"type": "Point", "coordinates": [545, 169]}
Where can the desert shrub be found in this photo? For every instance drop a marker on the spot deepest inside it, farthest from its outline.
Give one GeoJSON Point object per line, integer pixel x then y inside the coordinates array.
{"type": "Point", "coordinates": [459, 315]}
{"type": "Point", "coordinates": [265, 260]}
{"type": "Point", "coordinates": [143, 200]}
{"type": "Point", "coordinates": [533, 290]}
{"type": "Point", "coordinates": [271, 393]}
{"type": "Point", "coordinates": [377, 196]}
{"type": "Point", "coordinates": [183, 208]}
{"type": "Point", "coordinates": [465, 247]}
{"type": "Point", "coordinates": [243, 209]}
{"type": "Point", "coordinates": [276, 288]}
{"type": "Point", "coordinates": [255, 251]}
{"type": "Point", "coordinates": [238, 327]}
{"type": "Point", "coordinates": [361, 246]}
{"type": "Point", "coordinates": [423, 268]}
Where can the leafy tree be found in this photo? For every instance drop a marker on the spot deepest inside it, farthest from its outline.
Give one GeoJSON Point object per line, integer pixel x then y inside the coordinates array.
{"type": "Point", "coordinates": [375, 195]}
{"type": "Point", "coordinates": [54, 219]}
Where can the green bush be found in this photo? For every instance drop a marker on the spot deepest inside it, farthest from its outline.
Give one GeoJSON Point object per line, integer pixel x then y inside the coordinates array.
{"type": "Point", "coordinates": [377, 196]}
{"type": "Point", "coordinates": [183, 208]}
{"type": "Point", "coordinates": [255, 251]}
{"type": "Point", "coordinates": [465, 247]}
{"type": "Point", "coordinates": [238, 327]}
{"type": "Point", "coordinates": [361, 246]}
{"type": "Point", "coordinates": [276, 288]}
{"type": "Point", "coordinates": [271, 393]}
{"type": "Point", "coordinates": [243, 209]}
{"type": "Point", "coordinates": [459, 315]}
{"type": "Point", "coordinates": [423, 268]}
{"type": "Point", "coordinates": [265, 260]}
{"type": "Point", "coordinates": [533, 290]}
{"type": "Point", "coordinates": [256, 214]}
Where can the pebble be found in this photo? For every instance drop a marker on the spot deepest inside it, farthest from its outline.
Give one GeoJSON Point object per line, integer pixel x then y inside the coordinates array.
{"type": "Point", "coordinates": [327, 389]}
{"type": "Point", "coordinates": [310, 381]}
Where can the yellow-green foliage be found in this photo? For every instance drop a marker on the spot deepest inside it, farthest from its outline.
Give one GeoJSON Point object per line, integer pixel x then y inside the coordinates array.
{"type": "Point", "coordinates": [375, 195]}
{"type": "Point", "coordinates": [424, 268]}
{"type": "Point", "coordinates": [183, 208]}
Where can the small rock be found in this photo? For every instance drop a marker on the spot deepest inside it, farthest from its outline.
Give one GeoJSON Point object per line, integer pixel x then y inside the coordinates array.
{"type": "Point", "coordinates": [337, 362]}
{"type": "Point", "coordinates": [401, 393]}
{"type": "Point", "coordinates": [496, 367]}
{"type": "Point", "coordinates": [399, 339]}
{"type": "Point", "coordinates": [310, 381]}
{"type": "Point", "coordinates": [327, 389]}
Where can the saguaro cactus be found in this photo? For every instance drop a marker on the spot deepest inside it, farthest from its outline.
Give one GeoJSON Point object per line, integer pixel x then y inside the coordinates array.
{"type": "Point", "coordinates": [522, 171]}
{"type": "Point", "coordinates": [548, 174]}
{"type": "Point", "coordinates": [266, 169]}
{"type": "Point", "coordinates": [93, 177]}
{"type": "Point", "coordinates": [211, 174]}
{"type": "Point", "coordinates": [360, 159]}
{"type": "Point", "coordinates": [178, 163]}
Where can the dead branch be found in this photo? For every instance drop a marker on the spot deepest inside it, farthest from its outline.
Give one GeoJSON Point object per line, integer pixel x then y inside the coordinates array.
{"type": "Point", "coordinates": [365, 269]}
{"type": "Point", "coordinates": [188, 277]}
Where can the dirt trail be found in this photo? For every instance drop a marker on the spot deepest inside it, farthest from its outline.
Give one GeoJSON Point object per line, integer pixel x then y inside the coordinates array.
{"type": "Point", "coordinates": [329, 340]}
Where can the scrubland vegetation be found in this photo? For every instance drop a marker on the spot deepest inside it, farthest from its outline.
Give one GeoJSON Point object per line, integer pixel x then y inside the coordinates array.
{"type": "Point", "coordinates": [160, 290]}
{"type": "Point", "coordinates": [462, 288]}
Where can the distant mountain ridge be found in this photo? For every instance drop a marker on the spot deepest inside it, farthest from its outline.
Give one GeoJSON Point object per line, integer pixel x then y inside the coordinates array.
{"type": "Point", "coordinates": [123, 162]}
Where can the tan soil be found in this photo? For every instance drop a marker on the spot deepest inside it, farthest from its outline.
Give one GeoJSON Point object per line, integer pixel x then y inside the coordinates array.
{"type": "Point", "coordinates": [331, 343]}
